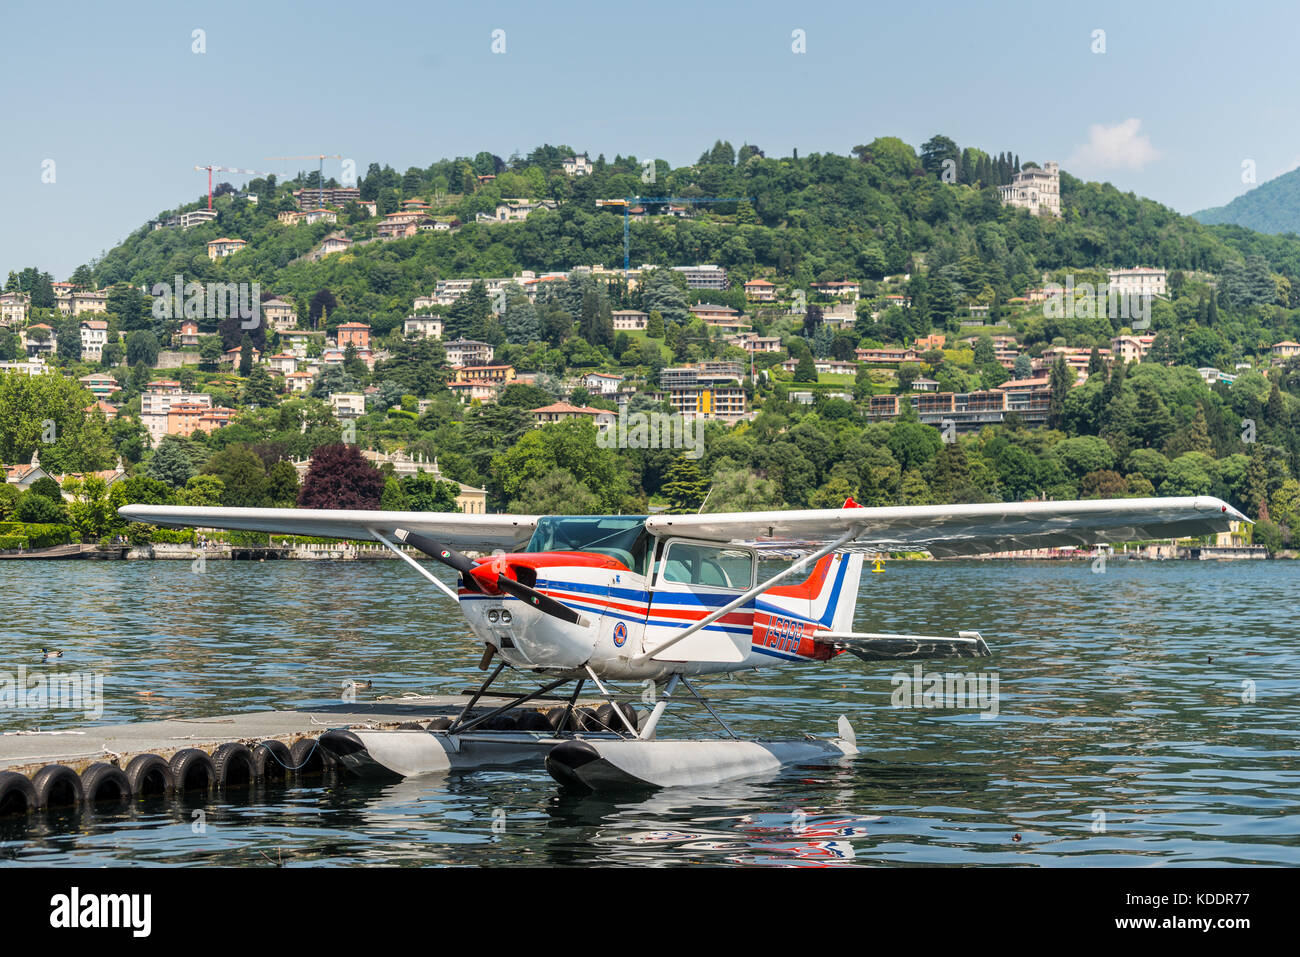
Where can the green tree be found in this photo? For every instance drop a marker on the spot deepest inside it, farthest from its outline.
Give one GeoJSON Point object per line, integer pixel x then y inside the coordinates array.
{"type": "Point", "coordinates": [282, 484]}
{"type": "Point", "coordinates": [686, 487]}
{"type": "Point", "coordinates": [424, 493]}
{"type": "Point", "coordinates": [171, 462]}
{"type": "Point", "coordinates": [244, 476]}
{"type": "Point", "coordinates": [142, 347]}
{"type": "Point", "coordinates": [556, 492]}
{"type": "Point", "coordinates": [259, 390]}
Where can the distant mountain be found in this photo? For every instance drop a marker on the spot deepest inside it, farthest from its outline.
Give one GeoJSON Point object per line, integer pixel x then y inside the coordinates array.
{"type": "Point", "coordinates": [1272, 207]}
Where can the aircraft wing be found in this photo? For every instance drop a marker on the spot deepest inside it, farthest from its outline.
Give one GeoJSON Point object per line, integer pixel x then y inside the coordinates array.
{"type": "Point", "coordinates": [948, 530]}
{"type": "Point", "coordinates": [474, 532]}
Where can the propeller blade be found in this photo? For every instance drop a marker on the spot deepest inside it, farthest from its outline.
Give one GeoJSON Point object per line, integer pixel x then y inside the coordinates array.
{"type": "Point", "coordinates": [467, 568]}
{"type": "Point", "coordinates": [543, 603]}
{"type": "Point", "coordinates": [436, 550]}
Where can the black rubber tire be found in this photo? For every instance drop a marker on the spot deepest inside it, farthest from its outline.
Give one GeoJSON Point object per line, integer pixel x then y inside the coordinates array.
{"type": "Point", "coordinates": [57, 786]}
{"type": "Point", "coordinates": [502, 722]}
{"type": "Point", "coordinates": [17, 794]}
{"type": "Point", "coordinates": [192, 770]}
{"type": "Point", "coordinates": [410, 726]}
{"type": "Point", "coordinates": [438, 724]}
{"type": "Point", "coordinates": [532, 721]}
{"type": "Point", "coordinates": [271, 762]}
{"type": "Point", "coordinates": [310, 760]}
{"type": "Point", "coordinates": [105, 784]}
{"type": "Point", "coordinates": [233, 766]}
{"type": "Point", "coordinates": [555, 718]}
{"type": "Point", "coordinates": [150, 776]}
{"type": "Point", "coordinates": [607, 719]}
{"type": "Point", "coordinates": [631, 714]}
{"type": "Point", "coordinates": [584, 719]}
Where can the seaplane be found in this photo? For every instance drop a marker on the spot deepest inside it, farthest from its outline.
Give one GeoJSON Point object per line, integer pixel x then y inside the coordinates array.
{"type": "Point", "coordinates": [582, 600]}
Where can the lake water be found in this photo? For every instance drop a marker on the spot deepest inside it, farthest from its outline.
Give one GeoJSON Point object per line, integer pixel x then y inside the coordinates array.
{"type": "Point", "coordinates": [1146, 715]}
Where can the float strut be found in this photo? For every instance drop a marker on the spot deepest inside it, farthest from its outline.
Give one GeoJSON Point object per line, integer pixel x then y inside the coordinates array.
{"type": "Point", "coordinates": [648, 731]}
{"type": "Point", "coordinates": [708, 709]}
{"type": "Point", "coordinates": [529, 696]}
{"type": "Point", "coordinates": [613, 703]}
{"type": "Point", "coordinates": [477, 694]}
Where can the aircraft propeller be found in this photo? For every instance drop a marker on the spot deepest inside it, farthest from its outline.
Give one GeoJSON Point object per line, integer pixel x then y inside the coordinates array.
{"type": "Point", "coordinates": [481, 577]}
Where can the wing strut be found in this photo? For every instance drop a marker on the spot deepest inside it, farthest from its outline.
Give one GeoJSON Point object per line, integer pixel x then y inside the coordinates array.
{"type": "Point", "coordinates": [746, 596]}
{"type": "Point", "coordinates": [416, 565]}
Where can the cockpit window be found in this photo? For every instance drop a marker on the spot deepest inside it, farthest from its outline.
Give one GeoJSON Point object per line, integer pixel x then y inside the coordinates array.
{"type": "Point", "coordinates": [619, 536]}
{"type": "Point", "coordinates": [715, 566]}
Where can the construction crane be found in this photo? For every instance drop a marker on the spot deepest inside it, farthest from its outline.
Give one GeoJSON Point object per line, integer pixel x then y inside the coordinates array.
{"type": "Point", "coordinates": [224, 169]}
{"type": "Point", "coordinates": [629, 202]}
{"type": "Point", "coordinates": [320, 158]}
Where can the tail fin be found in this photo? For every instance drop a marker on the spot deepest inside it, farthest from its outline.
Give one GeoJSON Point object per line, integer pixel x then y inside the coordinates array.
{"type": "Point", "coordinates": [846, 603]}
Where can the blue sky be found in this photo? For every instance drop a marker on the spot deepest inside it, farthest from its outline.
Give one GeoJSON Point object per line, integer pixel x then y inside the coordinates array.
{"type": "Point", "coordinates": [113, 94]}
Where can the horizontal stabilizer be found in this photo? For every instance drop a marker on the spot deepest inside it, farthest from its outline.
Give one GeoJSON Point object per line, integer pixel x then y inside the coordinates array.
{"type": "Point", "coordinates": [886, 647]}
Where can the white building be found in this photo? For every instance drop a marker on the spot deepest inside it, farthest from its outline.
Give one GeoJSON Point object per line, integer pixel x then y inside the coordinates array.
{"type": "Point", "coordinates": [513, 211]}
{"type": "Point", "coordinates": [601, 383]}
{"type": "Point", "coordinates": [348, 404]}
{"type": "Point", "coordinates": [630, 320]}
{"type": "Point", "coordinates": [703, 277]}
{"type": "Point", "coordinates": [577, 166]}
{"type": "Point", "coordinates": [13, 308]}
{"type": "Point", "coordinates": [197, 217]}
{"type": "Point", "coordinates": [466, 352]}
{"type": "Point", "coordinates": [94, 336]}
{"type": "Point", "coordinates": [423, 327]}
{"type": "Point", "coordinates": [1035, 189]}
{"type": "Point", "coordinates": [1139, 281]}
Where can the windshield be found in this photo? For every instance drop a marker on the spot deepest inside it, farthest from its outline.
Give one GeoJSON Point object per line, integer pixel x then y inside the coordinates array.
{"type": "Point", "coordinates": [620, 536]}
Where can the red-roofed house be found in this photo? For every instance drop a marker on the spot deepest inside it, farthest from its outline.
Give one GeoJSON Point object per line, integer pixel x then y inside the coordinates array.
{"type": "Point", "coordinates": [356, 334]}
{"type": "Point", "coordinates": [220, 248]}
{"type": "Point", "coordinates": [559, 411]}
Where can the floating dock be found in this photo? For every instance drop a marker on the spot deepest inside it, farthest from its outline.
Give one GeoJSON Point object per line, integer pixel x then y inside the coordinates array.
{"type": "Point", "coordinates": [28, 752]}
{"type": "Point", "coordinates": [120, 762]}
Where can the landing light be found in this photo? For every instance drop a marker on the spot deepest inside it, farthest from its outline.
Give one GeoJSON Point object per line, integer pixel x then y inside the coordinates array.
{"type": "Point", "coordinates": [505, 617]}
{"type": "Point", "coordinates": [493, 615]}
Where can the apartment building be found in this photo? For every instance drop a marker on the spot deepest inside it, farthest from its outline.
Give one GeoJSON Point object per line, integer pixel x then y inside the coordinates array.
{"type": "Point", "coordinates": [330, 196]}
{"type": "Point", "coordinates": [156, 405]}
{"type": "Point", "coordinates": [463, 352]}
{"type": "Point", "coordinates": [704, 276]}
